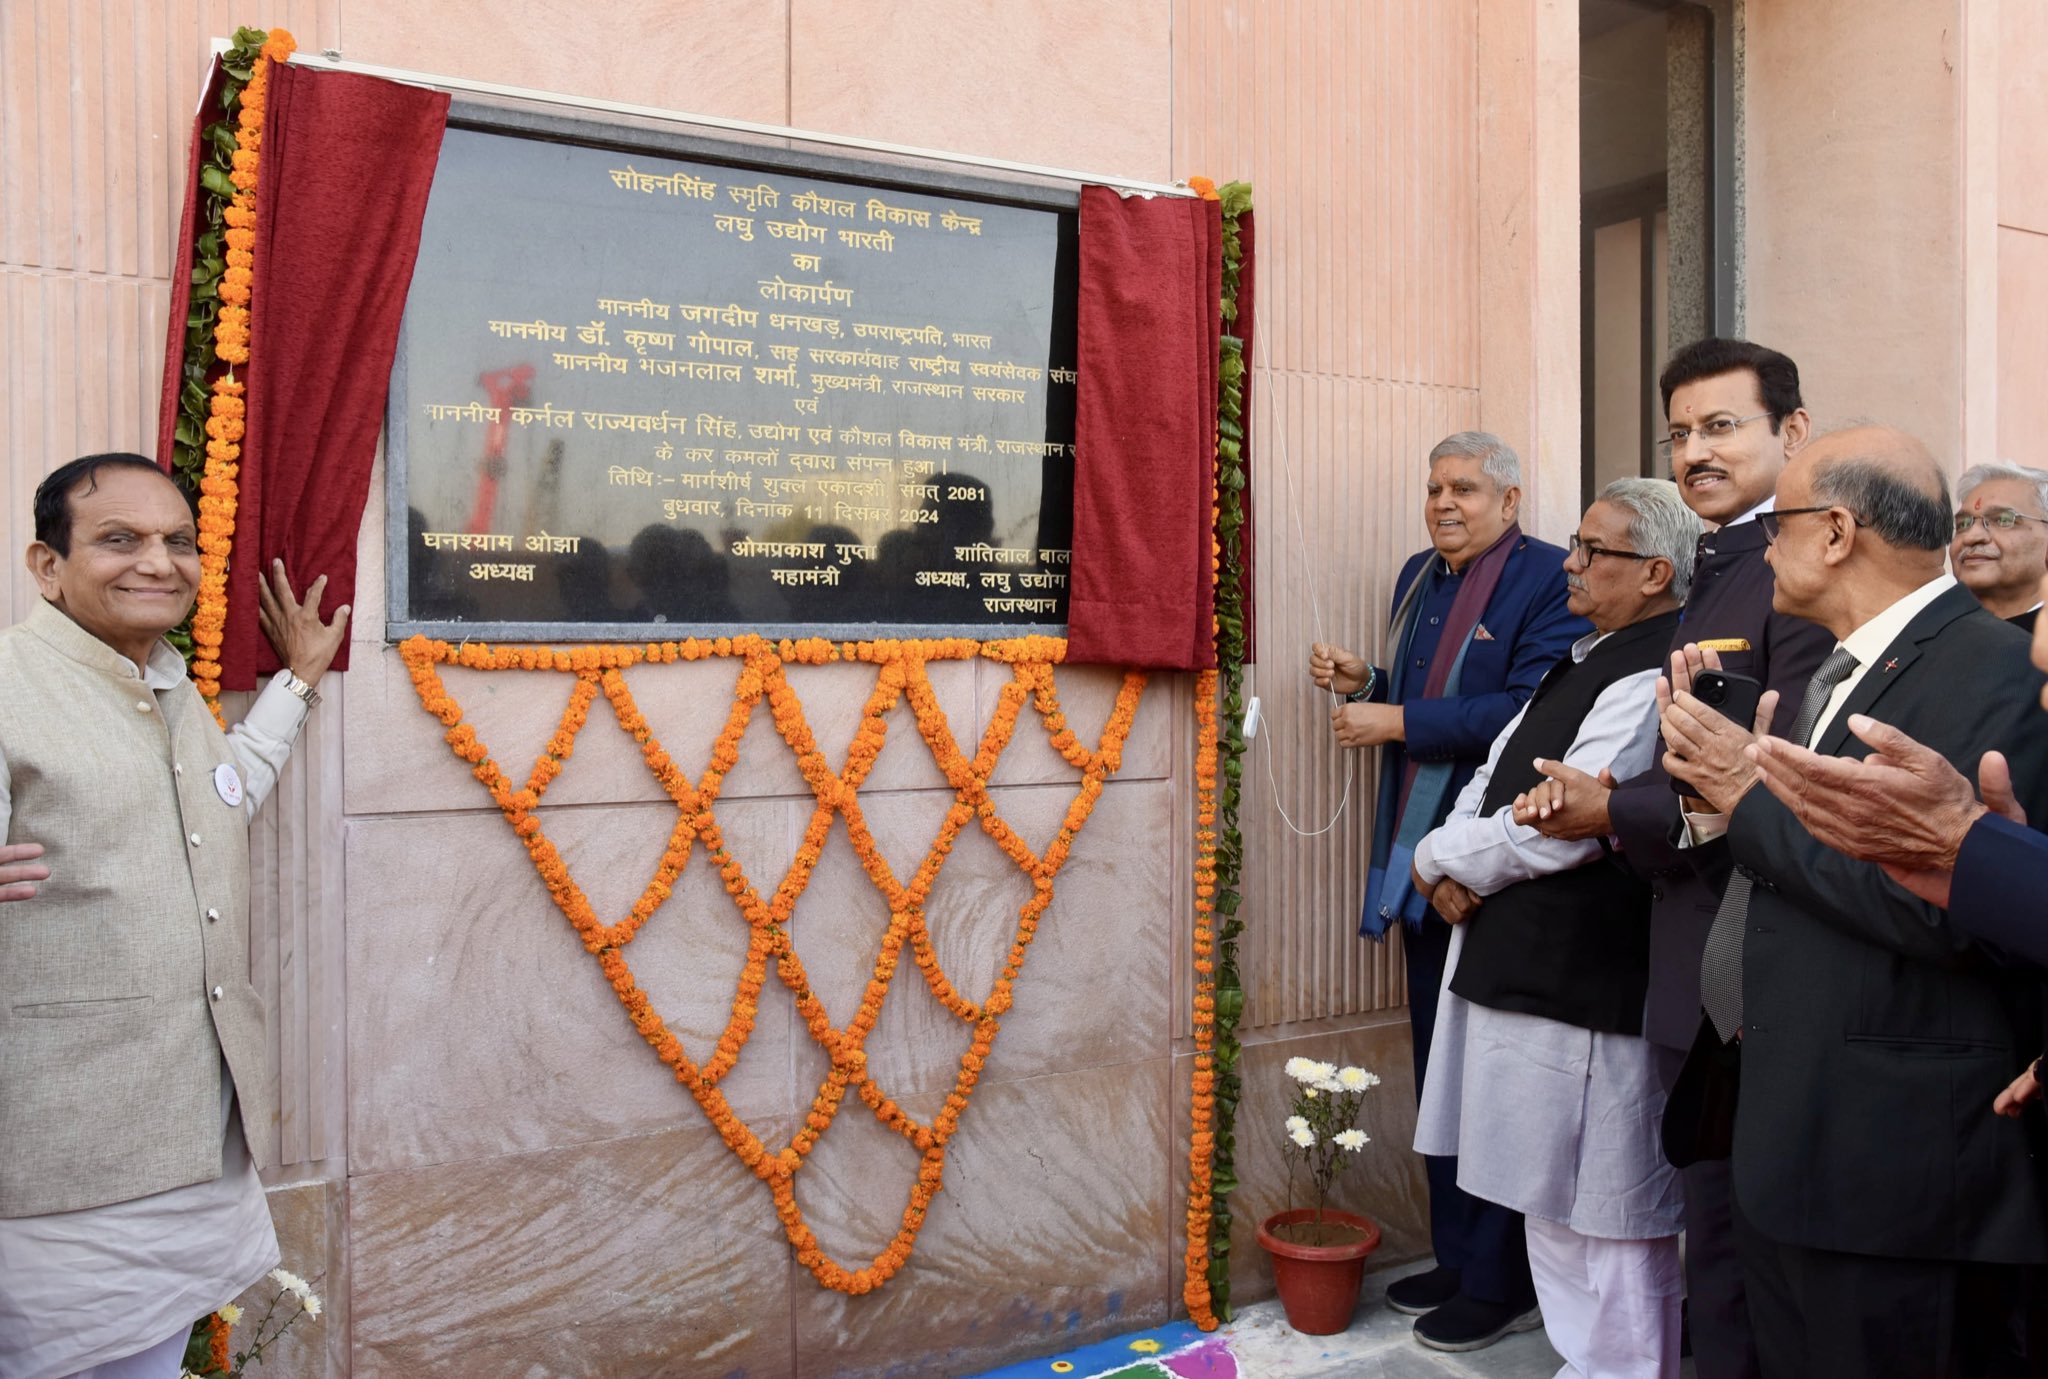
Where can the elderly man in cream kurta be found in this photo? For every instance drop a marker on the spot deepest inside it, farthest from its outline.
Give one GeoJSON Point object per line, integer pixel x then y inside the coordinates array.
{"type": "Point", "coordinates": [129, 1031]}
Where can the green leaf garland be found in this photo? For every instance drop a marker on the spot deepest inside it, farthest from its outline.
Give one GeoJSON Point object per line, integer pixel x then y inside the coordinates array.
{"type": "Point", "coordinates": [217, 147]}
{"type": "Point", "coordinates": [1231, 495]}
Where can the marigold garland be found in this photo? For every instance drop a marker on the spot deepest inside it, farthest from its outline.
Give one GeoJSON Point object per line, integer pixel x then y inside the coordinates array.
{"type": "Point", "coordinates": [227, 412]}
{"type": "Point", "coordinates": [218, 1333]}
{"type": "Point", "coordinates": [1219, 848]}
{"type": "Point", "coordinates": [1201, 1135]}
{"type": "Point", "coordinates": [900, 674]}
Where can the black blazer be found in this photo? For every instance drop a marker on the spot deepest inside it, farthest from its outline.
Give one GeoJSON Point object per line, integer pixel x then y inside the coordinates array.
{"type": "Point", "coordinates": [1875, 1033]}
{"type": "Point", "coordinates": [1730, 600]}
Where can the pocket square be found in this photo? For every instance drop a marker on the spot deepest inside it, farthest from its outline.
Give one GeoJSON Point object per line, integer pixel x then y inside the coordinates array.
{"type": "Point", "coordinates": [1480, 634]}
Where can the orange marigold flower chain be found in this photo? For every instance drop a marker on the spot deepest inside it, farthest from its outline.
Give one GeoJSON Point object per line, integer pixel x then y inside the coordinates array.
{"type": "Point", "coordinates": [900, 674]}
{"type": "Point", "coordinates": [1202, 1132]}
{"type": "Point", "coordinates": [226, 411]}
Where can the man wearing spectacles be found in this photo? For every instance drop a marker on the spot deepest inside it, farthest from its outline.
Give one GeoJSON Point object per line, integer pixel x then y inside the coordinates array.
{"type": "Point", "coordinates": [2001, 548]}
{"type": "Point", "coordinates": [1543, 1086]}
{"type": "Point", "coordinates": [1477, 619]}
{"type": "Point", "coordinates": [1913, 813]}
{"type": "Point", "coordinates": [1882, 1217]}
{"type": "Point", "coordinates": [1735, 416]}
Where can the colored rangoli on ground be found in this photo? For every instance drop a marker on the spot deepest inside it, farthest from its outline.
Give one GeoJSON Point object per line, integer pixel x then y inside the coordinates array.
{"type": "Point", "coordinates": [1177, 1351]}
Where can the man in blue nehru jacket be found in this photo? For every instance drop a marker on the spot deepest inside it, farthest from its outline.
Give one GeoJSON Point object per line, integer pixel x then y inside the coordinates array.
{"type": "Point", "coordinates": [1477, 620]}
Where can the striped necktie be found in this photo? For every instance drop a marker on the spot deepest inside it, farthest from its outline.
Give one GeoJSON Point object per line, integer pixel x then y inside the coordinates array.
{"type": "Point", "coordinates": [1721, 964]}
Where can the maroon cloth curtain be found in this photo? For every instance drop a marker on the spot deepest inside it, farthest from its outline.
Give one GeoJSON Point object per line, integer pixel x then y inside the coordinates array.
{"type": "Point", "coordinates": [342, 188]}
{"type": "Point", "coordinates": [1145, 431]}
{"type": "Point", "coordinates": [347, 162]}
{"type": "Point", "coordinates": [1245, 317]}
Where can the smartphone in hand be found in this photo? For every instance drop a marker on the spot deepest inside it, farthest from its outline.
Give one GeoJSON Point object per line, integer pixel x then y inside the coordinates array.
{"type": "Point", "coordinates": [1735, 697]}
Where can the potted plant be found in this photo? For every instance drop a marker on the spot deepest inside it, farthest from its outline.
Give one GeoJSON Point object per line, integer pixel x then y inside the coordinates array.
{"type": "Point", "coordinates": [1319, 1252]}
{"type": "Point", "coordinates": [207, 1352]}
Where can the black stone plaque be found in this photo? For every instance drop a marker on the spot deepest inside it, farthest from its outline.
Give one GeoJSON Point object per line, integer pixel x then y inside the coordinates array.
{"type": "Point", "coordinates": [654, 388]}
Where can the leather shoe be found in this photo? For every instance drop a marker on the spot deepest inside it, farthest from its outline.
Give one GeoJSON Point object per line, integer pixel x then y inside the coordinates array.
{"type": "Point", "coordinates": [1468, 1324]}
{"type": "Point", "coordinates": [1425, 1292]}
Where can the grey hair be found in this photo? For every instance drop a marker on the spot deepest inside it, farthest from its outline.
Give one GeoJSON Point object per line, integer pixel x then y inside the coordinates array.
{"type": "Point", "coordinates": [1887, 504]}
{"type": "Point", "coordinates": [1497, 459]}
{"type": "Point", "coordinates": [1660, 524]}
{"type": "Point", "coordinates": [1978, 475]}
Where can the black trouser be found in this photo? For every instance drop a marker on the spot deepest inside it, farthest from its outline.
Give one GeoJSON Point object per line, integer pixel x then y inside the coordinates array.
{"type": "Point", "coordinates": [1821, 1314]}
{"type": "Point", "coordinates": [1716, 1311]}
{"type": "Point", "coordinates": [1482, 1240]}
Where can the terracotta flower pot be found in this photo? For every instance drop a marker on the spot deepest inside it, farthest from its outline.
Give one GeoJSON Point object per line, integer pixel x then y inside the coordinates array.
{"type": "Point", "coordinates": [1319, 1283]}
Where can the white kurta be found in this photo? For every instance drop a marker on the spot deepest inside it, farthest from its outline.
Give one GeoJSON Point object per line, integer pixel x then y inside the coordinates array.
{"type": "Point", "coordinates": [80, 1288]}
{"type": "Point", "coordinates": [1554, 1121]}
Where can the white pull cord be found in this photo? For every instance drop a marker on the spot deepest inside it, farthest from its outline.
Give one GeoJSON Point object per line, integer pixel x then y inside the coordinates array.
{"type": "Point", "coordinates": [1279, 428]}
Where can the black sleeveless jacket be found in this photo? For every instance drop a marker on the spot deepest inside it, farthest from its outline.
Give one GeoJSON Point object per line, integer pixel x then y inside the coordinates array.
{"type": "Point", "coordinates": [1573, 946]}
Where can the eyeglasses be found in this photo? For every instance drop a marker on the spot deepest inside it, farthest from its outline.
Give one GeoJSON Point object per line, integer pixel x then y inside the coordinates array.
{"type": "Point", "coordinates": [1719, 429]}
{"type": "Point", "coordinates": [1771, 521]}
{"type": "Point", "coordinates": [2004, 519]}
{"type": "Point", "coordinates": [1592, 552]}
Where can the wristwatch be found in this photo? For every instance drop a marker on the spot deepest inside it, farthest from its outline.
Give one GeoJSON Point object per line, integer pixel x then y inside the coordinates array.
{"type": "Point", "coordinates": [306, 692]}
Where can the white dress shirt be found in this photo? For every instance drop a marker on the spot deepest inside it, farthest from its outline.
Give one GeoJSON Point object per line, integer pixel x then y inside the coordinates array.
{"type": "Point", "coordinates": [1868, 642]}
{"type": "Point", "coordinates": [1769, 504]}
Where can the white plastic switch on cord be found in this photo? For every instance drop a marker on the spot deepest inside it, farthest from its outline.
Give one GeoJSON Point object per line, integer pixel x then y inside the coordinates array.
{"type": "Point", "coordinates": [1251, 719]}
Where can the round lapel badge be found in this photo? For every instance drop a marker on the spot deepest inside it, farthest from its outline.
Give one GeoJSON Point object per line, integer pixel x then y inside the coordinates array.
{"type": "Point", "coordinates": [228, 784]}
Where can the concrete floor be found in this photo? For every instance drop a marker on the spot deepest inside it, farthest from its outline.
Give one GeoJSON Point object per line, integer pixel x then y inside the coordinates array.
{"type": "Point", "coordinates": [1378, 1344]}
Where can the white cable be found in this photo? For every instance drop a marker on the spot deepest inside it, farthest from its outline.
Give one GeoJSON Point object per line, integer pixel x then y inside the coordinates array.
{"type": "Point", "coordinates": [1273, 412]}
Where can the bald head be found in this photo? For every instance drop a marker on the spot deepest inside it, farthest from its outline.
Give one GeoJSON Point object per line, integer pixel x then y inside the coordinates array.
{"type": "Point", "coordinates": [1863, 521]}
{"type": "Point", "coordinates": [1888, 479]}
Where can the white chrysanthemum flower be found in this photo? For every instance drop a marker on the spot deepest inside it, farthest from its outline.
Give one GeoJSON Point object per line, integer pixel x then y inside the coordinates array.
{"type": "Point", "coordinates": [1356, 1079]}
{"type": "Point", "coordinates": [231, 1314]}
{"type": "Point", "coordinates": [1297, 1067]}
{"type": "Point", "coordinates": [1353, 1140]}
{"type": "Point", "coordinates": [1296, 1124]}
{"type": "Point", "coordinates": [311, 1302]}
{"type": "Point", "coordinates": [1330, 1085]}
{"type": "Point", "coordinates": [292, 1283]}
{"type": "Point", "coordinates": [1304, 1137]}
{"type": "Point", "coordinates": [1311, 1093]}
{"type": "Point", "coordinates": [1322, 1072]}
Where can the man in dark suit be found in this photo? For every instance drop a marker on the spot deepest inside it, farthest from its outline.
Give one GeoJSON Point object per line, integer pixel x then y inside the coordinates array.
{"type": "Point", "coordinates": [1881, 1215]}
{"type": "Point", "coordinates": [2001, 545]}
{"type": "Point", "coordinates": [1735, 416]}
{"type": "Point", "coordinates": [1906, 809]}
{"type": "Point", "coordinates": [1477, 620]}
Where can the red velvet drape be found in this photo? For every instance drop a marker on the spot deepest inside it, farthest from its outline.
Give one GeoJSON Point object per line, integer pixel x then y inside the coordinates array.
{"type": "Point", "coordinates": [346, 165]}
{"type": "Point", "coordinates": [1145, 431]}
